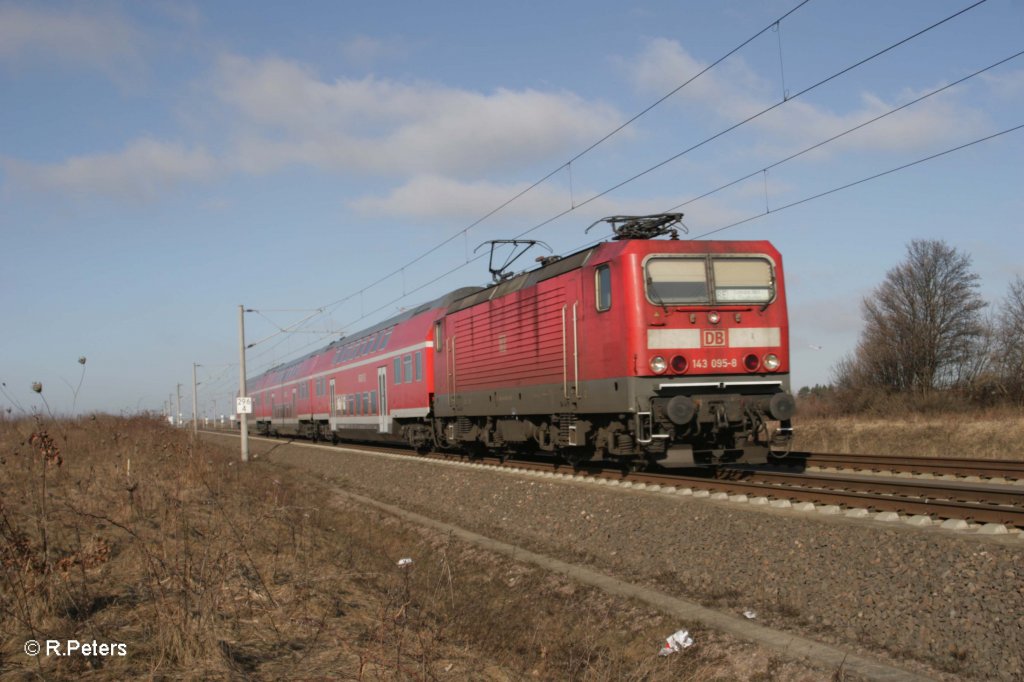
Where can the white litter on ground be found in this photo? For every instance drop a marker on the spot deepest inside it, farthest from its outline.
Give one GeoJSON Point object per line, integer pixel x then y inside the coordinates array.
{"type": "Point", "coordinates": [678, 640]}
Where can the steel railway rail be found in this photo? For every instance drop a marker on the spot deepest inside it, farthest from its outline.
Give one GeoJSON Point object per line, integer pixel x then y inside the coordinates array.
{"type": "Point", "coordinates": [937, 466]}
{"type": "Point", "coordinates": [980, 503]}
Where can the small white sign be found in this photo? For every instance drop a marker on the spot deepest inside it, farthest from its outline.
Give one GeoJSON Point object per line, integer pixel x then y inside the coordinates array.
{"type": "Point", "coordinates": [243, 405]}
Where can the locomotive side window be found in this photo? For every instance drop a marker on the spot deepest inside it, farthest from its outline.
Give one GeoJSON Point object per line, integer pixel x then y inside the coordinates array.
{"type": "Point", "coordinates": [603, 286]}
{"type": "Point", "coordinates": [437, 336]}
{"type": "Point", "coordinates": [743, 280]}
{"type": "Point", "coordinates": [677, 280]}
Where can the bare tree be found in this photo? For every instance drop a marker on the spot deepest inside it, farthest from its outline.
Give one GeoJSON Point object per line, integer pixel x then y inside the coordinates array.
{"type": "Point", "coordinates": [1009, 342]}
{"type": "Point", "coordinates": [923, 324]}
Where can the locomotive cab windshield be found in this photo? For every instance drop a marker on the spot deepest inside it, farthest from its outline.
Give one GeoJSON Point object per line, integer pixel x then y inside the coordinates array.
{"type": "Point", "coordinates": [709, 280]}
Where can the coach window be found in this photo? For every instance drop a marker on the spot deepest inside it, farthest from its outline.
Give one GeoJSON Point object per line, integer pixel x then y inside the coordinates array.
{"type": "Point", "coordinates": [419, 366]}
{"type": "Point", "coordinates": [603, 286]}
{"type": "Point", "coordinates": [407, 368]}
{"type": "Point", "coordinates": [363, 347]}
{"type": "Point", "coordinates": [677, 280]}
{"type": "Point", "coordinates": [373, 402]}
{"type": "Point", "coordinates": [743, 280]}
{"type": "Point", "coordinates": [398, 370]}
{"type": "Point", "coordinates": [383, 340]}
{"type": "Point", "coordinates": [366, 402]}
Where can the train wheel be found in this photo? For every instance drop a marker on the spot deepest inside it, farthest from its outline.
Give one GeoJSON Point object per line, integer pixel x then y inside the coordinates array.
{"type": "Point", "coordinates": [577, 457]}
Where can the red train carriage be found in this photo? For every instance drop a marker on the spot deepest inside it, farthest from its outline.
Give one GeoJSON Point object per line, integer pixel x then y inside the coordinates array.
{"type": "Point", "coordinates": [366, 386]}
{"type": "Point", "coordinates": [637, 349]}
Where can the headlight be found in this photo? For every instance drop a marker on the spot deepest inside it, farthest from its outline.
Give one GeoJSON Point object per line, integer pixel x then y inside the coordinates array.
{"type": "Point", "coordinates": [771, 362]}
{"type": "Point", "coordinates": [658, 364]}
{"type": "Point", "coordinates": [713, 317]}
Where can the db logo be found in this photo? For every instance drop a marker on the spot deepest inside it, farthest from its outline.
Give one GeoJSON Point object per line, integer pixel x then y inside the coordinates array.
{"type": "Point", "coordinates": [712, 337]}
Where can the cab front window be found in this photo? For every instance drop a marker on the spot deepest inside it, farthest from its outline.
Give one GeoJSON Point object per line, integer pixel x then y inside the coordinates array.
{"type": "Point", "coordinates": [709, 280]}
{"type": "Point", "coordinates": [743, 280]}
{"type": "Point", "coordinates": [677, 280]}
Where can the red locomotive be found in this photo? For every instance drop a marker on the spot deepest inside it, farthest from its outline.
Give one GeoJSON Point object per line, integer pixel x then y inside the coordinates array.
{"type": "Point", "coordinates": [640, 350]}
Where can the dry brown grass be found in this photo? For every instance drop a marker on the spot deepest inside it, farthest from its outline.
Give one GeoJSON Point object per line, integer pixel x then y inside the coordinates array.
{"type": "Point", "coordinates": [990, 433]}
{"type": "Point", "coordinates": [126, 531]}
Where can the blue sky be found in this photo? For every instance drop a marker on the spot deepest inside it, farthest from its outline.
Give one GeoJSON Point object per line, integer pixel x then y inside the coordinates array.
{"type": "Point", "coordinates": [163, 162]}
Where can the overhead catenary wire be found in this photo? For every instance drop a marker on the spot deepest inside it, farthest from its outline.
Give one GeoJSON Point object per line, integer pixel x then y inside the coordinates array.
{"type": "Point", "coordinates": [464, 231]}
{"type": "Point", "coordinates": [634, 177]}
{"type": "Point", "coordinates": [848, 185]}
{"type": "Point", "coordinates": [805, 200]}
{"type": "Point", "coordinates": [750, 118]}
{"type": "Point", "coordinates": [846, 132]}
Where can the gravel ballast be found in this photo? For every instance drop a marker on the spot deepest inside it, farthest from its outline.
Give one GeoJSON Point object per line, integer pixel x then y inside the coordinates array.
{"type": "Point", "coordinates": [932, 600]}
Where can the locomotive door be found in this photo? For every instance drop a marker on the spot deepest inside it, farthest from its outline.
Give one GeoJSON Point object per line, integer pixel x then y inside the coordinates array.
{"type": "Point", "coordinates": [571, 314]}
{"type": "Point", "coordinates": [383, 419]}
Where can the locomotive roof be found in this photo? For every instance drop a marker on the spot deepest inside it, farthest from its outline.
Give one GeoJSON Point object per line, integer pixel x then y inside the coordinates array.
{"type": "Point", "coordinates": [563, 265]}
{"type": "Point", "coordinates": [525, 279]}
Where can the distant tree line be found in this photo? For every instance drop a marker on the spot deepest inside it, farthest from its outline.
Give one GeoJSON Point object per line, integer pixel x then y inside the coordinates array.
{"type": "Point", "coordinates": [930, 339]}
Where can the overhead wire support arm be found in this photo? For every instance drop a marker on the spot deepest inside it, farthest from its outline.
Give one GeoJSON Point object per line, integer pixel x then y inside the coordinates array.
{"type": "Point", "coordinates": [519, 247]}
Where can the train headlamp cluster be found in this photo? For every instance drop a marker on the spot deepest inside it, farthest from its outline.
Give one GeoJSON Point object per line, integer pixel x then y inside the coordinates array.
{"type": "Point", "coordinates": [770, 362]}
{"type": "Point", "coordinates": [678, 364]}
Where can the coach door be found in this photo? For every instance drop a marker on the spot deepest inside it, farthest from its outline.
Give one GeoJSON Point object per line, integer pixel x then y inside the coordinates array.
{"type": "Point", "coordinates": [383, 419]}
{"type": "Point", "coordinates": [332, 407]}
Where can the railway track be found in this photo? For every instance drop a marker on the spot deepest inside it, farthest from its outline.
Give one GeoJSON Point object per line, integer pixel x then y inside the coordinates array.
{"type": "Point", "coordinates": [937, 500]}
{"type": "Point", "coordinates": [936, 466]}
{"type": "Point", "coordinates": [981, 503]}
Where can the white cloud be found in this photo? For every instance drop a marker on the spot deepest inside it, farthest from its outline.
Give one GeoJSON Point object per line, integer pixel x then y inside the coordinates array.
{"type": "Point", "coordinates": [289, 115]}
{"type": "Point", "coordinates": [104, 41]}
{"type": "Point", "coordinates": [433, 196]}
{"type": "Point", "coordinates": [366, 50]}
{"type": "Point", "coordinates": [281, 114]}
{"type": "Point", "coordinates": [1008, 85]}
{"type": "Point", "coordinates": [142, 171]}
{"type": "Point", "coordinates": [733, 92]}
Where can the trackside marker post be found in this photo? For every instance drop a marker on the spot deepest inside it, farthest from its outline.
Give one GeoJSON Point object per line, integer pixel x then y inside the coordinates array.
{"type": "Point", "coordinates": [243, 417]}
